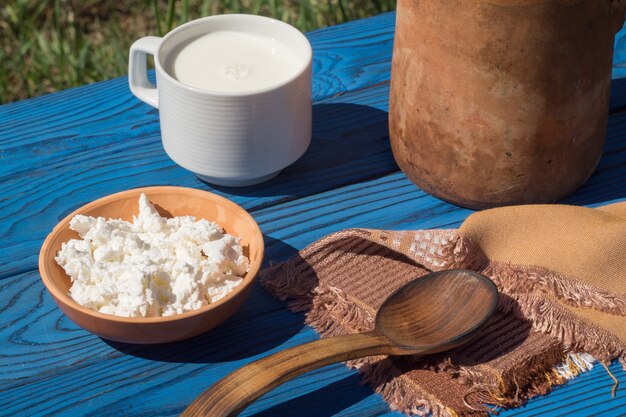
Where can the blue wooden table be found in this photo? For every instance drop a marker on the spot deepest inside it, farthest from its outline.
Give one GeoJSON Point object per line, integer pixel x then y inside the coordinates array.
{"type": "Point", "coordinates": [62, 150]}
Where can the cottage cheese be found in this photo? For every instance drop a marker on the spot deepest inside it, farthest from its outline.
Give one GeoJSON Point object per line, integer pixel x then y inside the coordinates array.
{"type": "Point", "coordinates": [154, 266]}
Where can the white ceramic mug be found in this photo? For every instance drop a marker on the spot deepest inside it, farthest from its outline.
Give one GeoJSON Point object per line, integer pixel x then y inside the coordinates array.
{"type": "Point", "coordinates": [228, 138]}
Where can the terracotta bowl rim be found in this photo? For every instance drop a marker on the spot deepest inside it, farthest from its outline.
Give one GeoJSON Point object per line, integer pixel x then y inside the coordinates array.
{"type": "Point", "coordinates": [67, 301]}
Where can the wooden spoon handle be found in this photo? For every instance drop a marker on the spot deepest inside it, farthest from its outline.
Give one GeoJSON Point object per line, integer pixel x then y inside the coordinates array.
{"type": "Point", "coordinates": [236, 391]}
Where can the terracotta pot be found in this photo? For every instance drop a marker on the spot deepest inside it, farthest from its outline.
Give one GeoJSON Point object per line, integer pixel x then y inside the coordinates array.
{"type": "Point", "coordinates": [497, 102]}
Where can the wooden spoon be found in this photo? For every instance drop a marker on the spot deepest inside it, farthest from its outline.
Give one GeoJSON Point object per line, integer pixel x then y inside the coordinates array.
{"type": "Point", "coordinates": [430, 314]}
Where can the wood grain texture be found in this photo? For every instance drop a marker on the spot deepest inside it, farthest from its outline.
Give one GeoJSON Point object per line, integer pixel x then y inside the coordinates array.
{"type": "Point", "coordinates": [62, 150]}
{"type": "Point", "coordinates": [434, 313]}
{"type": "Point", "coordinates": [230, 395]}
{"type": "Point", "coordinates": [349, 144]}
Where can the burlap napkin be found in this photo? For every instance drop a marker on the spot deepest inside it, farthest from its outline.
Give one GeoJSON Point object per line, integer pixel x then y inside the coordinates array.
{"type": "Point", "coordinates": [561, 273]}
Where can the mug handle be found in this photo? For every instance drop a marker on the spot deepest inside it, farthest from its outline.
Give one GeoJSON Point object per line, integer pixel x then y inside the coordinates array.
{"type": "Point", "coordinates": [138, 81]}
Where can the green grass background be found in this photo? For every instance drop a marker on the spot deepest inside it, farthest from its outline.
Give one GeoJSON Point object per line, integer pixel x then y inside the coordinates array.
{"type": "Point", "coordinates": [49, 45]}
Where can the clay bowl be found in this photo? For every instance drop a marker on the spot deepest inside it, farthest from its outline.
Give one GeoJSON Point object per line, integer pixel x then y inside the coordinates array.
{"type": "Point", "coordinates": [170, 201]}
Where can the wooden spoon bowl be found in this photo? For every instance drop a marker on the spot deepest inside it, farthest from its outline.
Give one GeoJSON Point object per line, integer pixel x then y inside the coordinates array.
{"type": "Point", "coordinates": [430, 314]}
{"type": "Point", "coordinates": [438, 311]}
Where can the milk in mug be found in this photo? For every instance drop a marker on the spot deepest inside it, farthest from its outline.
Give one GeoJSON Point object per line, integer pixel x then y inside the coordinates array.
{"type": "Point", "coordinates": [232, 61]}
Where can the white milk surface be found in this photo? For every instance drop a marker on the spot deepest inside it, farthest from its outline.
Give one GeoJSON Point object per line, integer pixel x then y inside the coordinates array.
{"type": "Point", "coordinates": [234, 61]}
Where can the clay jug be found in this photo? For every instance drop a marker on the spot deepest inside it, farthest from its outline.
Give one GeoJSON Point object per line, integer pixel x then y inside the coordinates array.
{"type": "Point", "coordinates": [498, 102]}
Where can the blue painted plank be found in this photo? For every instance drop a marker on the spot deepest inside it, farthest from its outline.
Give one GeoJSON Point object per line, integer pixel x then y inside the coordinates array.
{"type": "Point", "coordinates": [295, 226]}
{"type": "Point", "coordinates": [618, 87]}
{"type": "Point", "coordinates": [353, 55]}
{"type": "Point", "coordinates": [96, 376]}
{"type": "Point", "coordinates": [341, 154]}
{"type": "Point", "coordinates": [39, 339]}
{"type": "Point", "coordinates": [619, 56]}
{"type": "Point", "coordinates": [350, 143]}
{"type": "Point", "coordinates": [364, 205]}
{"type": "Point", "coordinates": [383, 203]}
{"type": "Point", "coordinates": [46, 354]}
{"type": "Point", "coordinates": [587, 395]}
{"type": "Point", "coordinates": [188, 378]}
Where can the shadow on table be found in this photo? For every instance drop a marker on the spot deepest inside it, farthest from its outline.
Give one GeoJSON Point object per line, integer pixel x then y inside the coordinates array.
{"type": "Point", "coordinates": [238, 337]}
{"type": "Point", "coordinates": [607, 182]}
{"type": "Point", "coordinates": [618, 95]}
{"type": "Point", "coordinates": [350, 143]}
{"type": "Point", "coordinates": [276, 251]}
{"type": "Point", "coordinates": [323, 402]}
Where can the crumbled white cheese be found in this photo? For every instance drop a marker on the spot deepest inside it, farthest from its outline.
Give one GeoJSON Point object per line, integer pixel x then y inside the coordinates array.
{"type": "Point", "coordinates": [152, 267]}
